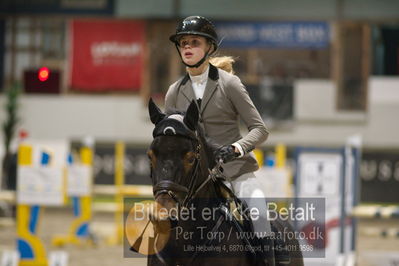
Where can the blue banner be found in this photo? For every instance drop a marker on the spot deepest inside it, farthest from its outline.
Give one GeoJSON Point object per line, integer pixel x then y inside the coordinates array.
{"type": "Point", "coordinates": [274, 34]}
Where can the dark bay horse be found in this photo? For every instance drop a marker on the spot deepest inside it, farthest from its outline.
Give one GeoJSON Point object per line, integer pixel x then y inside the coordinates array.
{"type": "Point", "coordinates": [199, 228]}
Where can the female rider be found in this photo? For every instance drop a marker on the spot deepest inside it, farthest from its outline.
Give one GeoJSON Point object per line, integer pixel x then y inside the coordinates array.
{"type": "Point", "coordinates": [222, 101]}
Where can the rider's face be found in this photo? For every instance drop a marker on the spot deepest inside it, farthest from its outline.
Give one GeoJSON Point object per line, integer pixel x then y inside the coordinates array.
{"type": "Point", "coordinates": [192, 48]}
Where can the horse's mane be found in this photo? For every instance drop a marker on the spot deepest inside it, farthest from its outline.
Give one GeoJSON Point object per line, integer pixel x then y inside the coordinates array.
{"type": "Point", "coordinates": [209, 144]}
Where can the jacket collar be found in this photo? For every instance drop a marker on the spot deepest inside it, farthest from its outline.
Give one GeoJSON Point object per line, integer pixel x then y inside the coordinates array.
{"type": "Point", "coordinates": [213, 74]}
{"type": "Point", "coordinates": [210, 88]}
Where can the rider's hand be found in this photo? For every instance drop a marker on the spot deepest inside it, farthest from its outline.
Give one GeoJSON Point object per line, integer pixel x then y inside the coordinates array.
{"type": "Point", "coordinates": [226, 153]}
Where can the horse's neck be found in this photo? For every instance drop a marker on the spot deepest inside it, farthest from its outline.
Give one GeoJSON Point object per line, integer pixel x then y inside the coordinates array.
{"type": "Point", "coordinates": [208, 192]}
{"type": "Point", "coordinates": [209, 148]}
{"type": "Point", "coordinates": [206, 200]}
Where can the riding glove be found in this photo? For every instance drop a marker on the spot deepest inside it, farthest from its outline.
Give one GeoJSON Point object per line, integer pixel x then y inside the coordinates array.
{"type": "Point", "coordinates": [226, 153]}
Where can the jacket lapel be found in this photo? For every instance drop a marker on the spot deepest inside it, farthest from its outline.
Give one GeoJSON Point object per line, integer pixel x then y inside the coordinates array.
{"type": "Point", "coordinates": [186, 89]}
{"type": "Point", "coordinates": [211, 86]}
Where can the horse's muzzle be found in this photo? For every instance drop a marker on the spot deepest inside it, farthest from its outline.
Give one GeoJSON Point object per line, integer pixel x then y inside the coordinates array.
{"type": "Point", "coordinates": [166, 215]}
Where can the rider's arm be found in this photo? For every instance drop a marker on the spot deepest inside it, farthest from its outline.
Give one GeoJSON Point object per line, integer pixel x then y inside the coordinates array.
{"type": "Point", "coordinates": [258, 132]}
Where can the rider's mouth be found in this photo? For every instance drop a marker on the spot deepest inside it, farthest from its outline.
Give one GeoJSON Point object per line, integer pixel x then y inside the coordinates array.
{"type": "Point", "coordinates": [188, 54]}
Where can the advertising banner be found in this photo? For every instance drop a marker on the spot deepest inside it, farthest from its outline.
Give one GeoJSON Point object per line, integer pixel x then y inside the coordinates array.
{"type": "Point", "coordinates": [79, 180]}
{"type": "Point", "coordinates": [136, 165]}
{"type": "Point", "coordinates": [106, 55]}
{"type": "Point", "coordinates": [41, 175]}
{"type": "Point", "coordinates": [379, 174]}
{"type": "Point", "coordinates": [274, 34]}
{"type": "Point", "coordinates": [40, 186]}
{"type": "Point", "coordinates": [330, 174]}
{"type": "Point", "coordinates": [319, 174]}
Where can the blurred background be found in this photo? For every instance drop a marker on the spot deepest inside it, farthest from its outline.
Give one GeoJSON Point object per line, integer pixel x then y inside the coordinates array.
{"type": "Point", "coordinates": [79, 73]}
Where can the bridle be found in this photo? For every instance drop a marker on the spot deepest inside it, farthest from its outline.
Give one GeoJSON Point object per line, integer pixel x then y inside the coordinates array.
{"type": "Point", "coordinates": [171, 188]}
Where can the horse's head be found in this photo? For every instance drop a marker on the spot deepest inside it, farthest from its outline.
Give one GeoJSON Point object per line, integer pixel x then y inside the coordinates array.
{"type": "Point", "coordinates": [175, 155]}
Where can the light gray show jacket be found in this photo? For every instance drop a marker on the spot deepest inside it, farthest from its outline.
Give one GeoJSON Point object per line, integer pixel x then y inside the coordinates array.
{"type": "Point", "coordinates": [225, 101]}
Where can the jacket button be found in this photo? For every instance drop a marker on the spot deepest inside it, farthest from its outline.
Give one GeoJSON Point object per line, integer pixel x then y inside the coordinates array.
{"type": "Point", "coordinates": [200, 120]}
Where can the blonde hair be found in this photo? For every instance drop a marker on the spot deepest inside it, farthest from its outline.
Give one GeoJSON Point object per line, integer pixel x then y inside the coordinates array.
{"type": "Point", "coordinates": [223, 62]}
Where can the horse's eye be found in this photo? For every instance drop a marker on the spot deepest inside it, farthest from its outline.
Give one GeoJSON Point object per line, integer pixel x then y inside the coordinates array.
{"type": "Point", "coordinates": [151, 157]}
{"type": "Point", "coordinates": [190, 157]}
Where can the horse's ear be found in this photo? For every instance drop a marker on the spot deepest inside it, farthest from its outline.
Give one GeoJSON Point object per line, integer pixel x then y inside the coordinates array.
{"type": "Point", "coordinates": [192, 115]}
{"type": "Point", "coordinates": [156, 114]}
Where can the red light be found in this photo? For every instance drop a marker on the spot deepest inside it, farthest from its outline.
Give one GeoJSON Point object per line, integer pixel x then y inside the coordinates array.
{"type": "Point", "coordinates": [43, 74]}
{"type": "Point", "coordinates": [23, 134]}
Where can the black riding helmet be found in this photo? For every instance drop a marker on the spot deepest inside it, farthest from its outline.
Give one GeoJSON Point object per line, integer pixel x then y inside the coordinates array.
{"type": "Point", "coordinates": [196, 25]}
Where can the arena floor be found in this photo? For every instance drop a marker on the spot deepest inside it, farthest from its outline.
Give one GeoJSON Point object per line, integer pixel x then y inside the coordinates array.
{"type": "Point", "coordinates": [56, 221]}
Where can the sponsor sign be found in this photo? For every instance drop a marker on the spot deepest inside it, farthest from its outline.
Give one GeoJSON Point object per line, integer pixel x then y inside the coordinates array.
{"type": "Point", "coordinates": [379, 173]}
{"type": "Point", "coordinates": [274, 34]}
{"type": "Point", "coordinates": [107, 55]}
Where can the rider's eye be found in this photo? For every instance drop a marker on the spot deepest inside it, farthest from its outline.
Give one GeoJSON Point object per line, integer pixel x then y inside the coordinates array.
{"type": "Point", "coordinates": [183, 43]}
{"type": "Point", "coordinates": [192, 43]}
{"type": "Point", "coordinates": [195, 43]}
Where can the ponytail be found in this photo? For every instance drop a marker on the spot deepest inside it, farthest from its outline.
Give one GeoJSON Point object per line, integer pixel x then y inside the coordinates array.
{"type": "Point", "coordinates": [223, 62]}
